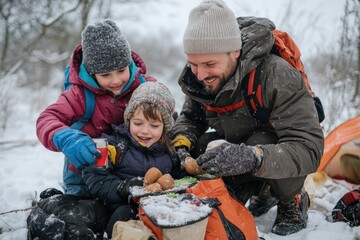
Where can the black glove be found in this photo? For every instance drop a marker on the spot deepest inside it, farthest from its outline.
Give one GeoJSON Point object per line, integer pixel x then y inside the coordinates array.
{"type": "Point", "coordinates": [182, 153]}
{"type": "Point", "coordinates": [231, 159]}
{"type": "Point", "coordinates": [124, 187]}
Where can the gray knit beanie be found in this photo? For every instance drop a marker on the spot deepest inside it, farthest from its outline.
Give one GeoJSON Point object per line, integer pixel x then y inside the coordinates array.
{"type": "Point", "coordinates": [212, 28]}
{"type": "Point", "coordinates": [155, 94]}
{"type": "Point", "coordinates": [105, 48]}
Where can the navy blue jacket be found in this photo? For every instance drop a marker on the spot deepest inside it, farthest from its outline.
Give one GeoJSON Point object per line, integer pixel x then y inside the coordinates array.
{"type": "Point", "coordinates": [136, 160]}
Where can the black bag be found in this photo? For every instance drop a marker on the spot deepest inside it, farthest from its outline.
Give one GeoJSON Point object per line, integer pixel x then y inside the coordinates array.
{"type": "Point", "coordinates": [347, 208]}
{"type": "Point", "coordinates": [58, 216]}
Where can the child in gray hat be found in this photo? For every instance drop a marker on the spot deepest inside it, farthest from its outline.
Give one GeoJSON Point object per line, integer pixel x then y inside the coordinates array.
{"type": "Point", "coordinates": [104, 66]}
{"type": "Point", "coordinates": [141, 143]}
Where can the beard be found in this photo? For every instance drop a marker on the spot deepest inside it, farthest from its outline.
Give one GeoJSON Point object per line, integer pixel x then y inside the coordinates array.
{"type": "Point", "coordinates": [223, 78]}
{"type": "Point", "coordinates": [214, 91]}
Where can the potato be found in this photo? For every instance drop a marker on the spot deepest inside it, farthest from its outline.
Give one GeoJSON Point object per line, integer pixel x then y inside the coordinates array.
{"type": "Point", "coordinates": [151, 176]}
{"type": "Point", "coordinates": [192, 167]}
{"type": "Point", "coordinates": [153, 188]}
{"type": "Point", "coordinates": [166, 181]}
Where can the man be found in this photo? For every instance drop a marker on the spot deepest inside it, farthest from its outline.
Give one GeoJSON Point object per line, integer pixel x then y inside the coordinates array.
{"type": "Point", "coordinates": [277, 156]}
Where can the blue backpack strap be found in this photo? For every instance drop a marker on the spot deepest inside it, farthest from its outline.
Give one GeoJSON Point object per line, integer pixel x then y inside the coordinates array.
{"type": "Point", "coordinates": [89, 102]}
{"type": "Point", "coordinates": [142, 78]}
{"type": "Point", "coordinates": [67, 83]}
{"type": "Point", "coordinates": [89, 110]}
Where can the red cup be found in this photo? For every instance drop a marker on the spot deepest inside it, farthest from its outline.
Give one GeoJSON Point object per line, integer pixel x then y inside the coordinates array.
{"type": "Point", "coordinates": [101, 145]}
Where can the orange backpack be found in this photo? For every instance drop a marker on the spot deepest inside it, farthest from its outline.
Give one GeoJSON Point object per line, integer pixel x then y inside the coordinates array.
{"type": "Point", "coordinates": [229, 219]}
{"type": "Point", "coordinates": [285, 47]}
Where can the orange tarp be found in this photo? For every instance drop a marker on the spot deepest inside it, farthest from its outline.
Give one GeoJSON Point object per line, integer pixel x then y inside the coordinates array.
{"type": "Point", "coordinates": [341, 135]}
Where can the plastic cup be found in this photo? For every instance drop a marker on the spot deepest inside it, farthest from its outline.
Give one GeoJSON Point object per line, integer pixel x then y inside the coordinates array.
{"type": "Point", "coordinates": [101, 145]}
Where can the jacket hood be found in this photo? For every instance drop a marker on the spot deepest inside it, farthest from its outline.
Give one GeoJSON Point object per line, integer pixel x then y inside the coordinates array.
{"type": "Point", "coordinates": [258, 40]}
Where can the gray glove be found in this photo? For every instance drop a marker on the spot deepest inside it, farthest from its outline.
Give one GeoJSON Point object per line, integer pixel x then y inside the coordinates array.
{"type": "Point", "coordinates": [231, 159]}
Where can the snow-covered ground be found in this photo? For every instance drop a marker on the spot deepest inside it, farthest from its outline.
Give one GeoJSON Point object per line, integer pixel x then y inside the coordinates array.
{"type": "Point", "coordinates": [27, 168]}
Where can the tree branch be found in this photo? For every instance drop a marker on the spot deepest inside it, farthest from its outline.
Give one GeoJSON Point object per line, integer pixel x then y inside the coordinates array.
{"type": "Point", "coordinates": [17, 210]}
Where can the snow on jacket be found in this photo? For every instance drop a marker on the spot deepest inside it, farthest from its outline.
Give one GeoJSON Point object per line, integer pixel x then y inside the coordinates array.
{"type": "Point", "coordinates": [285, 97]}
{"type": "Point", "coordinates": [70, 106]}
{"type": "Point", "coordinates": [134, 162]}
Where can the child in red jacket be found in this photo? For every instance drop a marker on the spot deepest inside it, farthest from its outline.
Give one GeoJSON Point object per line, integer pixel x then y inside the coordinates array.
{"type": "Point", "coordinates": [104, 65]}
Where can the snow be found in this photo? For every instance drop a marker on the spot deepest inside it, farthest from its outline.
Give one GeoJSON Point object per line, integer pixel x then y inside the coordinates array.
{"type": "Point", "coordinates": [175, 211]}
{"type": "Point", "coordinates": [27, 168]}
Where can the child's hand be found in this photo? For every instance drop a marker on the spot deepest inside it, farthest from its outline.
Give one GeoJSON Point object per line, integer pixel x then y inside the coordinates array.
{"type": "Point", "coordinates": [182, 154]}
{"type": "Point", "coordinates": [77, 146]}
{"type": "Point", "coordinates": [124, 187]}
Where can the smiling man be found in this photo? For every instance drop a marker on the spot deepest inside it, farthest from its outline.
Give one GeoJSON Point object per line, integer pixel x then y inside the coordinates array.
{"type": "Point", "coordinates": [268, 160]}
{"type": "Point", "coordinates": [213, 70]}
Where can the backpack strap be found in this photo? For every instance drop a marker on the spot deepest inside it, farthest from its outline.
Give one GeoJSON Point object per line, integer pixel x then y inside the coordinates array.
{"type": "Point", "coordinates": [347, 200]}
{"type": "Point", "coordinates": [142, 78]}
{"type": "Point", "coordinates": [89, 102]}
{"type": "Point", "coordinates": [252, 92]}
{"type": "Point", "coordinates": [225, 109]}
{"type": "Point", "coordinates": [67, 83]}
{"type": "Point", "coordinates": [89, 110]}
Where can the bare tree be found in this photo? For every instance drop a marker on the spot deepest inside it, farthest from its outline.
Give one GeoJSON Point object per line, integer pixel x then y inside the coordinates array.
{"type": "Point", "coordinates": [36, 40]}
{"type": "Point", "coordinates": [338, 71]}
{"type": "Point", "coordinates": [24, 26]}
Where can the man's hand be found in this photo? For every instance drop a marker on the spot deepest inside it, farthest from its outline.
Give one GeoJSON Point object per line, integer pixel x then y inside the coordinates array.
{"type": "Point", "coordinates": [215, 143]}
{"type": "Point", "coordinates": [77, 146]}
{"type": "Point", "coordinates": [230, 159]}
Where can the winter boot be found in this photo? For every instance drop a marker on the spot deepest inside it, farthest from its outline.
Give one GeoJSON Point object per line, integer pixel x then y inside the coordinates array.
{"type": "Point", "coordinates": [262, 203]}
{"type": "Point", "coordinates": [292, 216]}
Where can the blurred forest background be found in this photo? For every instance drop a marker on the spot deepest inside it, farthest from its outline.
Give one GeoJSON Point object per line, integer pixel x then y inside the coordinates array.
{"type": "Point", "coordinates": [37, 38]}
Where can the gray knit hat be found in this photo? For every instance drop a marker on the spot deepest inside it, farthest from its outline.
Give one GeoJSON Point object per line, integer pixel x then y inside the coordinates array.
{"type": "Point", "coordinates": [105, 48]}
{"type": "Point", "coordinates": [212, 28]}
{"type": "Point", "coordinates": [155, 94]}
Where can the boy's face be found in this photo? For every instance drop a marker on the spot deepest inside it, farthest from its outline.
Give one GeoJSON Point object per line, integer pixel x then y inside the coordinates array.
{"type": "Point", "coordinates": [213, 70]}
{"type": "Point", "coordinates": [114, 81]}
{"type": "Point", "coordinates": [145, 131]}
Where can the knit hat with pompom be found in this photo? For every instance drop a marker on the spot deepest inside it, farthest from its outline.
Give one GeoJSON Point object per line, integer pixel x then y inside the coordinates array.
{"type": "Point", "coordinates": [156, 94]}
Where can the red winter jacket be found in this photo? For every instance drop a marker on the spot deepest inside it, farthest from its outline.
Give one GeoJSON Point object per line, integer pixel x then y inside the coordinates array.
{"type": "Point", "coordinates": [70, 106]}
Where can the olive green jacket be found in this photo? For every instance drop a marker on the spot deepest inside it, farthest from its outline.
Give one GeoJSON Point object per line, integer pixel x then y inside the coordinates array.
{"type": "Point", "coordinates": [291, 108]}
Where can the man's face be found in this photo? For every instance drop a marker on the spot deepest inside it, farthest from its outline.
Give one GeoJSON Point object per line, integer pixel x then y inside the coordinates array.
{"type": "Point", "coordinates": [213, 70]}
